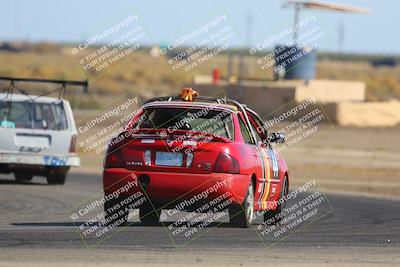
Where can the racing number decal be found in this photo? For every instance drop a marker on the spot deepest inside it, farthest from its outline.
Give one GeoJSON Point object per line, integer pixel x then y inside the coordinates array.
{"type": "Point", "coordinates": [275, 165]}
{"type": "Point", "coordinates": [266, 177]}
{"type": "Point", "coordinates": [268, 161]}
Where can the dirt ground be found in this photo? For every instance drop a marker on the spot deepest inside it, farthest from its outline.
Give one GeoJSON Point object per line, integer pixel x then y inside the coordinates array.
{"type": "Point", "coordinates": [341, 159]}
{"type": "Point", "coordinates": [356, 160]}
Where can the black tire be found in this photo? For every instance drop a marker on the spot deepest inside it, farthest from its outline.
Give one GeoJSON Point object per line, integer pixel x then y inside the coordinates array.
{"type": "Point", "coordinates": [57, 175]}
{"type": "Point", "coordinates": [114, 213]}
{"type": "Point", "coordinates": [275, 216]}
{"type": "Point", "coordinates": [243, 215]}
{"type": "Point", "coordinates": [148, 215]}
{"type": "Point", "coordinates": [23, 176]}
{"type": "Point", "coordinates": [56, 178]}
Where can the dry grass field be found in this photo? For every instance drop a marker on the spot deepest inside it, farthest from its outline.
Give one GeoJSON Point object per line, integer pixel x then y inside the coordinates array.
{"type": "Point", "coordinates": [146, 75]}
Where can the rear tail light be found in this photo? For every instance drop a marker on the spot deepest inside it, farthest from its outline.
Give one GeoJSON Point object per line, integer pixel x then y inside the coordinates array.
{"type": "Point", "coordinates": [226, 164]}
{"type": "Point", "coordinates": [114, 160]}
{"type": "Point", "coordinates": [72, 145]}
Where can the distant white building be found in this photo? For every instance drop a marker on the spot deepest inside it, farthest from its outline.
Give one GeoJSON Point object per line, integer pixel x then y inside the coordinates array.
{"type": "Point", "coordinates": [155, 51]}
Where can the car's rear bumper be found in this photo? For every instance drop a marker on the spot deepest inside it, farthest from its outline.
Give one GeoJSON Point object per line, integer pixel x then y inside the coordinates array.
{"type": "Point", "coordinates": [164, 187]}
{"type": "Point", "coordinates": [41, 160]}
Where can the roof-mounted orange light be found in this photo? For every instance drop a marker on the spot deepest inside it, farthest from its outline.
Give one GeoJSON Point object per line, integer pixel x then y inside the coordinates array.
{"type": "Point", "coordinates": [188, 94]}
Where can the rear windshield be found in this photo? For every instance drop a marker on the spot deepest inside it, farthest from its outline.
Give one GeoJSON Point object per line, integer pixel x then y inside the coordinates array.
{"type": "Point", "coordinates": [200, 120]}
{"type": "Point", "coordinates": [32, 115]}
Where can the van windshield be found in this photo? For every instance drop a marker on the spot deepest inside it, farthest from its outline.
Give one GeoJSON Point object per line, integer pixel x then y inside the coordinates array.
{"type": "Point", "coordinates": [32, 115]}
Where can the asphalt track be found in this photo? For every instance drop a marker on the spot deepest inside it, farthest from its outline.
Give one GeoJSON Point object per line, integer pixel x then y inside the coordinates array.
{"type": "Point", "coordinates": [35, 228]}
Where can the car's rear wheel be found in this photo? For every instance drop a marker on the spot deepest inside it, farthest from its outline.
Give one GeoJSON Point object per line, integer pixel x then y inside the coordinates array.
{"type": "Point", "coordinates": [114, 212]}
{"type": "Point", "coordinates": [243, 215]}
{"type": "Point", "coordinates": [149, 215]}
{"type": "Point", "coordinates": [23, 176]}
{"type": "Point", "coordinates": [275, 216]}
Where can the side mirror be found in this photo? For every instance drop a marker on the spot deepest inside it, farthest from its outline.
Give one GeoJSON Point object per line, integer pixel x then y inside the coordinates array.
{"type": "Point", "coordinates": [276, 137]}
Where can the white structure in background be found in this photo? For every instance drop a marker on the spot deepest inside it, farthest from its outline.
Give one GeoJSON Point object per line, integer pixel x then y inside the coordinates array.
{"type": "Point", "coordinates": [155, 51]}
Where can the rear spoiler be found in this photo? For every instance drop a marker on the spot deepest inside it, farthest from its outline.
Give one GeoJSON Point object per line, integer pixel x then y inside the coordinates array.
{"type": "Point", "coordinates": [63, 83]}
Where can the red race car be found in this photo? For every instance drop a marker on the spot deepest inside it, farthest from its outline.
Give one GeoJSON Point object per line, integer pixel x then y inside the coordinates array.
{"type": "Point", "coordinates": [185, 152]}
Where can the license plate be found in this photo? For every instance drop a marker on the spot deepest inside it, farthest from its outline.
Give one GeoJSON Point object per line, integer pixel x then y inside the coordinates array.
{"type": "Point", "coordinates": [169, 159]}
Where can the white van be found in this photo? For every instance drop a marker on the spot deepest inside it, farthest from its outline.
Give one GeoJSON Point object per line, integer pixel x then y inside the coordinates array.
{"type": "Point", "coordinates": [37, 137]}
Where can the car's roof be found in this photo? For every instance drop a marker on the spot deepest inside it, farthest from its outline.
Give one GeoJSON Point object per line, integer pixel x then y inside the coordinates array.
{"type": "Point", "coordinates": [194, 104]}
{"type": "Point", "coordinates": [22, 97]}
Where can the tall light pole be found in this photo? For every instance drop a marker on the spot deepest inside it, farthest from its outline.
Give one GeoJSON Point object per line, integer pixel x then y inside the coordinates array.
{"type": "Point", "coordinates": [298, 5]}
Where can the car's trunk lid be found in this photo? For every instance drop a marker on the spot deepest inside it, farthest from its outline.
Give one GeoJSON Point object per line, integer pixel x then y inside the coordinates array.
{"type": "Point", "coordinates": [175, 152]}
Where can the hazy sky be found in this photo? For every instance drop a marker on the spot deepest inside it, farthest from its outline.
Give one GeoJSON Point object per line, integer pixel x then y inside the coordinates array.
{"type": "Point", "coordinates": [77, 20]}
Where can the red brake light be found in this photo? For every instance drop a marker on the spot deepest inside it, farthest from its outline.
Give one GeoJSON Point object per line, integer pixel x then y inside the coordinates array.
{"type": "Point", "coordinates": [114, 160]}
{"type": "Point", "coordinates": [72, 145]}
{"type": "Point", "coordinates": [227, 164]}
